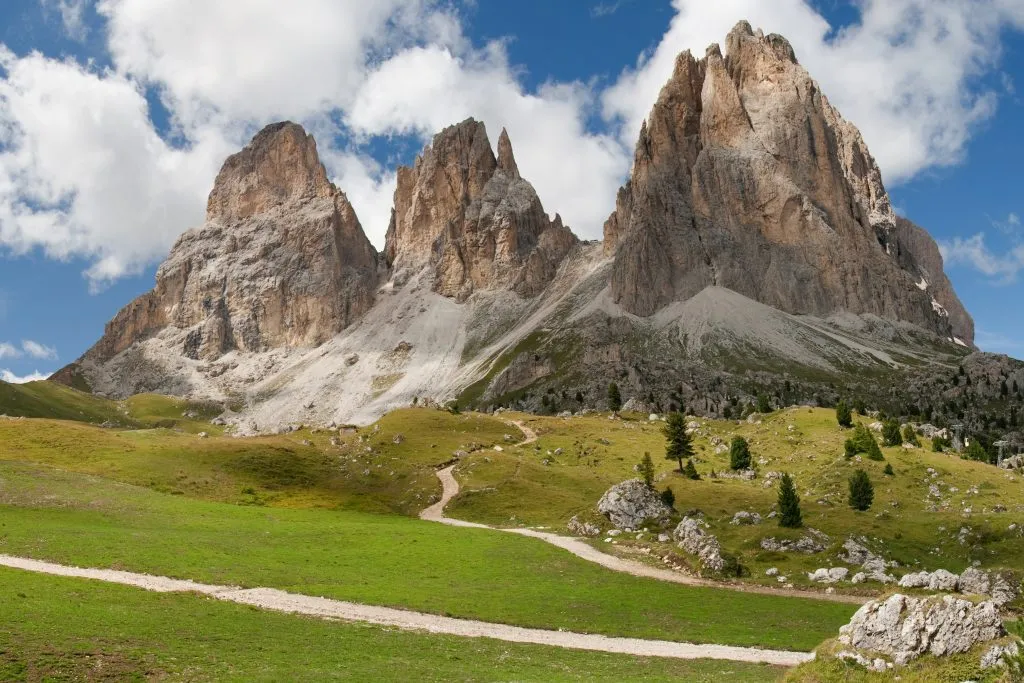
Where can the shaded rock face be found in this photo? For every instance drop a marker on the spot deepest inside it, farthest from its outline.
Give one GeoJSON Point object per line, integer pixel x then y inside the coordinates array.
{"type": "Point", "coordinates": [905, 628]}
{"type": "Point", "coordinates": [280, 261]}
{"type": "Point", "coordinates": [746, 177]}
{"type": "Point", "coordinates": [473, 219]}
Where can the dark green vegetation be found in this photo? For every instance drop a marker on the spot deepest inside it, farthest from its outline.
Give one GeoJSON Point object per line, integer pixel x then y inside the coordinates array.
{"type": "Point", "coordinates": [790, 516]}
{"type": "Point", "coordinates": [614, 398]}
{"type": "Point", "coordinates": [862, 492]}
{"type": "Point", "coordinates": [739, 453]}
{"type": "Point", "coordinates": [678, 444]}
{"type": "Point", "coordinates": [116, 633]}
{"type": "Point", "coordinates": [843, 415]}
{"type": "Point", "coordinates": [380, 559]}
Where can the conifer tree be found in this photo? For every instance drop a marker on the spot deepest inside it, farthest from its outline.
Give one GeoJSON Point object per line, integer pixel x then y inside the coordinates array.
{"type": "Point", "coordinates": [739, 454]}
{"type": "Point", "coordinates": [690, 471]}
{"type": "Point", "coordinates": [646, 470]}
{"type": "Point", "coordinates": [789, 504]}
{"type": "Point", "coordinates": [843, 415]}
{"type": "Point", "coordinates": [677, 442]}
{"type": "Point", "coordinates": [614, 398]}
{"type": "Point", "coordinates": [862, 493]}
{"type": "Point", "coordinates": [891, 432]}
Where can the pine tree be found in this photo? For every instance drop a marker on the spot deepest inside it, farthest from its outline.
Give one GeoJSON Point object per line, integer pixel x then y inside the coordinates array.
{"type": "Point", "coordinates": [889, 470]}
{"type": "Point", "coordinates": [891, 432]}
{"type": "Point", "coordinates": [690, 471]}
{"type": "Point", "coordinates": [843, 415]}
{"type": "Point", "coordinates": [860, 407]}
{"type": "Point", "coordinates": [975, 451]}
{"type": "Point", "coordinates": [862, 493]}
{"type": "Point", "coordinates": [938, 444]}
{"type": "Point", "coordinates": [910, 436]}
{"type": "Point", "coordinates": [849, 449]}
{"type": "Point", "coordinates": [763, 406]}
{"type": "Point", "coordinates": [646, 470]}
{"type": "Point", "coordinates": [739, 454]}
{"type": "Point", "coordinates": [874, 452]}
{"type": "Point", "coordinates": [668, 498]}
{"type": "Point", "coordinates": [614, 398]}
{"type": "Point", "coordinates": [678, 445]}
{"type": "Point", "coordinates": [789, 504]}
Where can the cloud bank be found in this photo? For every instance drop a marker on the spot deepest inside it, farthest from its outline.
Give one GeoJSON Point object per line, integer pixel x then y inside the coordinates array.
{"type": "Point", "coordinates": [89, 169]}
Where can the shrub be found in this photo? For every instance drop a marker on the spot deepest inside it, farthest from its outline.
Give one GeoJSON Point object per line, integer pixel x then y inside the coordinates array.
{"type": "Point", "coordinates": [910, 436]}
{"type": "Point", "coordinates": [614, 398]}
{"type": "Point", "coordinates": [888, 470]}
{"type": "Point", "coordinates": [849, 449]}
{"type": "Point", "coordinates": [891, 432]}
{"type": "Point", "coordinates": [875, 453]}
{"type": "Point", "coordinates": [739, 454]}
{"type": "Point", "coordinates": [862, 493]}
{"type": "Point", "coordinates": [863, 441]}
{"type": "Point", "coordinates": [690, 471]}
{"type": "Point", "coordinates": [678, 444]}
{"type": "Point", "coordinates": [763, 406]}
{"type": "Point", "coordinates": [789, 504]}
{"type": "Point", "coordinates": [668, 498]}
{"type": "Point", "coordinates": [938, 444]}
{"type": "Point", "coordinates": [646, 469]}
{"type": "Point", "coordinates": [975, 451]}
{"type": "Point", "coordinates": [843, 415]}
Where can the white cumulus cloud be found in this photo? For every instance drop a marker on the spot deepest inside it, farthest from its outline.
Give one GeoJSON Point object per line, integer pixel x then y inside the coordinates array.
{"type": "Point", "coordinates": [9, 350]}
{"type": "Point", "coordinates": [38, 351]}
{"type": "Point", "coordinates": [1002, 267]}
{"type": "Point", "coordinates": [11, 378]}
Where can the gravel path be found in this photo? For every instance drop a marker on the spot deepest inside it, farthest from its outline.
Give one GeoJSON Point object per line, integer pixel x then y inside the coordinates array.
{"type": "Point", "coordinates": [280, 601]}
{"type": "Point", "coordinates": [580, 548]}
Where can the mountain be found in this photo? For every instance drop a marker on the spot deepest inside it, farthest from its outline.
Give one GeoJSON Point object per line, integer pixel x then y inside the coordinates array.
{"type": "Point", "coordinates": [753, 250]}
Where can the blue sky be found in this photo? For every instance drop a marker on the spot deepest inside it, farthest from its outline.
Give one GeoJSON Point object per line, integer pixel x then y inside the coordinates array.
{"type": "Point", "coordinates": [115, 114]}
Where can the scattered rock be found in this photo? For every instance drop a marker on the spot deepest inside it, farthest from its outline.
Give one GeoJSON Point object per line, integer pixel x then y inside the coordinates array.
{"type": "Point", "coordinates": [905, 628]}
{"type": "Point", "coordinates": [998, 654]}
{"type": "Point", "coordinates": [580, 528]}
{"type": "Point", "coordinates": [942, 580]}
{"type": "Point", "coordinates": [693, 538]}
{"type": "Point", "coordinates": [745, 518]}
{"type": "Point", "coordinates": [812, 542]}
{"type": "Point", "coordinates": [202, 435]}
{"type": "Point", "coordinates": [974, 581]}
{"type": "Point", "coordinates": [771, 571]}
{"type": "Point", "coordinates": [833, 575]}
{"type": "Point", "coordinates": [631, 503]}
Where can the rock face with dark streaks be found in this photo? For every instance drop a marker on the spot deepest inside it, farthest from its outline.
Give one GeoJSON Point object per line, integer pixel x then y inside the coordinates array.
{"type": "Point", "coordinates": [746, 177]}
{"type": "Point", "coordinates": [473, 219]}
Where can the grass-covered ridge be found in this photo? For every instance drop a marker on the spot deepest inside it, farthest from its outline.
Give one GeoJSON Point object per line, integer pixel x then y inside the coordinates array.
{"type": "Point", "coordinates": [380, 559]}
{"type": "Point", "coordinates": [120, 633]}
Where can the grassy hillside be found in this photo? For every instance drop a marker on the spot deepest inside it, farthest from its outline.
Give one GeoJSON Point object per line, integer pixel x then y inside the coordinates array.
{"type": "Point", "coordinates": [380, 559]}
{"type": "Point", "coordinates": [575, 460]}
{"type": "Point", "coordinates": [119, 633]}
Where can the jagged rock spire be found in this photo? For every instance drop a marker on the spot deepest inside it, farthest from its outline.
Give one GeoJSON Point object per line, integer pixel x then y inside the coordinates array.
{"type": "Point", "coordinates": [506, 159]}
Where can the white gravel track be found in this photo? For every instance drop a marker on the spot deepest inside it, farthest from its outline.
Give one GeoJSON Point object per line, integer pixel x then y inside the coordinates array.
{"type": "Point", "coordinates": [281, 601]}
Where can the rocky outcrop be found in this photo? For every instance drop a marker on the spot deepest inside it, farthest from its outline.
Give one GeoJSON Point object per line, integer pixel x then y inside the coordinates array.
{"type": "Point", "coordinates": [905, 628]}
{"type": "Point", "coordinates": [473, 219]}
{"type": "Point", "coordinates": [746, 177]}
{"type": "Point", "coordinates": [281, 260]}
{"type": "Point", "coordinates": [917, 253]}
{"type": "Point", "coordinates": [692, 536]}
{"type": "Point", "coordinates": [631, 504]}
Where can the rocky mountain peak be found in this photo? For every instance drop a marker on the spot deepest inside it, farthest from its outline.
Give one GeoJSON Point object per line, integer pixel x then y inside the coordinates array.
{"type": "Point", "coordinates": [472, 219]}
{"type": "Point", "coordinates": [506, 159]}
{"type": "Point", "coordinates": [746, 177]}
{"type": "Point", "coordinates": [280, 165]}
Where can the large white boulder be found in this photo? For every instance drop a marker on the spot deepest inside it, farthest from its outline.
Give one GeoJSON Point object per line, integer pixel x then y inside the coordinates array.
{"type": "Point", "coordinates": [632, 503]}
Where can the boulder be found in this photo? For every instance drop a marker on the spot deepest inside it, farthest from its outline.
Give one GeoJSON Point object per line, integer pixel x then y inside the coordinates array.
{"type": "Point", "coordinates": [692, 536]}
{"type": "Point", "coordinates": [833, 575]}
{"type": "Point", "coordinates": [998, 654]}
{"type": "Point", "coordinates": [745, 518]}
{"type": "Point", "coordinates": [581, 528]}
{"type": "Point", "coordinates": [632, 503]}
{"type": "Point", "coordinates": [974, 581]}
{"type": "Point", "coordinates": [942, 580]}
{"type": "Point", "coordinates": [1003, 591]}
{"type": "Point", "coordinates": [905, 628]}
{"type": "Point", "coordinates": [915, 580]}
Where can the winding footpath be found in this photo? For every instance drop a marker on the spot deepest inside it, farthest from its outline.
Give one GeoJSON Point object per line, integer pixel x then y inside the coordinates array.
{"type": "Point", "coordinates": [580, 548]}
{"type": "Point", "coordinates": [324, 608]}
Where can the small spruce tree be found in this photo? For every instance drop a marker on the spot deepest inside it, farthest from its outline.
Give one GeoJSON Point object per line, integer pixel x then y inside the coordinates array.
{"type": "Point", "coordinates": [938, 444]}
{"type": "Point", "coordinates": [677, 442]}
{"type": "Point", "coordinates": [891, 432]}
{"type": "Point", "coordinates": [646, 469]}
{"type": "Point", "coordinates": [690, 471]}
{"type": "Point", "coordinates": [910, 436]}
{"type": "Point", "coordinates": [789, 504]}
{"type": "Point", "coordinates": [889, 470]}
{"type": "Point", "coordinates": [739, 454]}
{"type": "Point", "coordinates": [849, 449]}
{"type": "Point", "coordinates": [874, 452]}
{"type": "Point", "coordinates": [975, 451]}
{"type": "Point", "coordinates": [614, 398]}
{"type": "Point", "coordinates": [763, 406]}
{"type": "Point", "coordinates": [843, 415]}
{"type": "Point", "coordinates": [862, 493]}
{"type": "Point", "coordinates": [668, 498]}
{"type": "Point", "coordinates": [860, 407]}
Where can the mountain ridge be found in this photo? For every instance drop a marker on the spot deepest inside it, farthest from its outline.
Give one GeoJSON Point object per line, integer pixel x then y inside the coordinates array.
{"type": "Point", "coordinates": [741, 200]}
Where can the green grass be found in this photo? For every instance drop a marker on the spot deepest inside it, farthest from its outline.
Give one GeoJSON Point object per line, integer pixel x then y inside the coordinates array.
{"type": "Point", "coordinates": [537, 486]}
{"type": "Point", "coordinates": [301, 469]}
{"type": "Point", "coordinates": [52, 400]}
{"type": "Point", "coordinates": [59, 629]}
{"type": "Point", "coordinates": [381, 559]}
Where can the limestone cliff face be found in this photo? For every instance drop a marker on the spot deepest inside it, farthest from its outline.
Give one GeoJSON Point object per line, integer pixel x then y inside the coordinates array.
{"type": "Point", "coordinates": [473, 219]}
{"type": "Point", "coordinates": [745, 177]}
{"type": "Point", "coordinates": [280, 261]}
